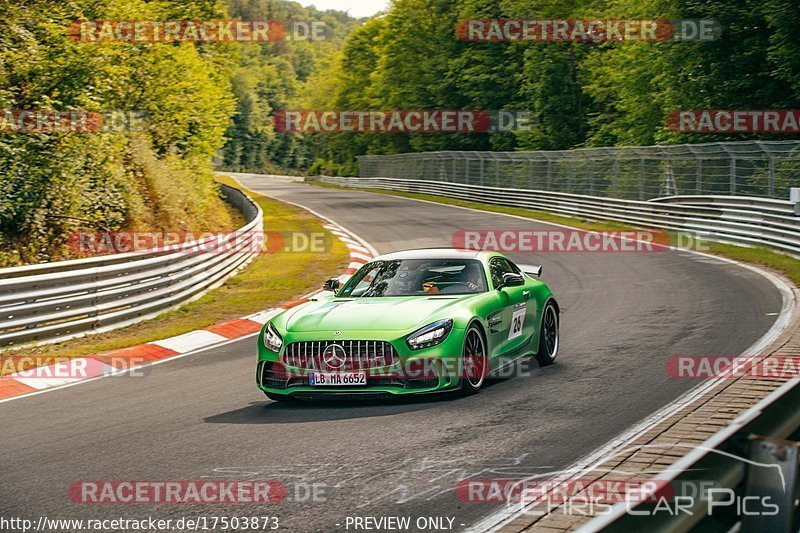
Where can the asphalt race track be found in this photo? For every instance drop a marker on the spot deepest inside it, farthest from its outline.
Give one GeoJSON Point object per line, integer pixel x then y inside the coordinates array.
{"type": "Point", "coordinates": [201, 416]}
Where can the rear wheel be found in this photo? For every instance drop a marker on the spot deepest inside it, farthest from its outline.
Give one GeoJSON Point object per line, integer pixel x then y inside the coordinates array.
{"type": "Point", "coordinates": [475, 361]}
{"type": "Point", "coordinates": [548, 336]}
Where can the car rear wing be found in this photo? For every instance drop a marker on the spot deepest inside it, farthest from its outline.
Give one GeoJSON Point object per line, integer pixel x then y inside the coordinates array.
{"type": "Point", "coordinates": [532, 270]}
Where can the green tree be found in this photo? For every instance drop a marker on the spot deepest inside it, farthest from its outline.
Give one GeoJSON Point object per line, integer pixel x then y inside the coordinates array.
{"type": "Point", "coordinates": [160, 177]}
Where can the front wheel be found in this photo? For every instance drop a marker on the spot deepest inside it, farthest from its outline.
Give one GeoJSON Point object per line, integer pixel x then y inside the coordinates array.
{"type": "Point", "coordinates": [548, 336]}
{"type": "Point", "coordinates": [475, 361]}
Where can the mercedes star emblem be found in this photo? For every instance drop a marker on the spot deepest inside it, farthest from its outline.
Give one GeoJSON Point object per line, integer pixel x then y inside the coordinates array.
{"type": "Point", "coordinates": [334, 356]}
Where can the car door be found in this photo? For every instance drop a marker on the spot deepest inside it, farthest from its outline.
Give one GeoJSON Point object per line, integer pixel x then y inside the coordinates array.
{"type": "Point", "coordinates": [510, 323]}
{"type": "Point", "coordinates": [529, 324]}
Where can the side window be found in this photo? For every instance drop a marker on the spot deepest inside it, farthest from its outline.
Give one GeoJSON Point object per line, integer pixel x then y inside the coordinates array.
{"type": "Point", "coordinates": [496, 270]}
{"type": "Point", "coordinates": [499, 266]}
{"type": "Point", "coordinates": [513, 268]}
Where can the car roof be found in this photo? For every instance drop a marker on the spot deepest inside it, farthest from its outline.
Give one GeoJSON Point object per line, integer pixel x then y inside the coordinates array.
{"type": "Point", "coordinates": [431, 253]}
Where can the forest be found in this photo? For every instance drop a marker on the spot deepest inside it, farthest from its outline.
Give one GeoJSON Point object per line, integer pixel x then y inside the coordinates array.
{"type": "Point", "coordinates": [208, 105]}
{"type": "Point", "coordinates": [579, 94]}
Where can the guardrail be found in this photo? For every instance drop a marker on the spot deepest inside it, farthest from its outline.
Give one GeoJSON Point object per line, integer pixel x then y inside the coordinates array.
{"type": "Point", "coordinates": [743, 457]}
{"type": "Point", "coordinates": [61, 300]}
{"type": "Point", "coordinates": [748, 168]}
{"type": "Point", "coordinates": [734, 219]}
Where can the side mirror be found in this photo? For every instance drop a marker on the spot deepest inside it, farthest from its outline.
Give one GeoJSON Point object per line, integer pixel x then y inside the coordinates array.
{"type": "Point", "coordinates": [332, 285]}
{"type": "Point", "coordinates": [512, 280]}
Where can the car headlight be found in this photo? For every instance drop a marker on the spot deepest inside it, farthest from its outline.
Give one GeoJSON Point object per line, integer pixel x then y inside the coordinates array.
{"type": "Point", "coordinates": [272, 338]}
{"type": "Point", "coordinates": [430, 335]}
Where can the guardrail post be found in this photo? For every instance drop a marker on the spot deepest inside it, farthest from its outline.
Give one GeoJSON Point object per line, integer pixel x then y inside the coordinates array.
{"type": "Point", "coordinates": [733, 176]}
{"type": "Point", "coordinates": [95, 301]}
{"type": "Point", "coordinates": [641, 178]}
{"type": "Point", "coordinates": [771, 482]}
{"type": "Point", "coordinates": [570, 170]}
{"type": "Point", "coordinates": [670, 187]}
{"type": "Point", "coordinates": [771, 177]}
{"type": "Point", "coordinates": [698, 184]}
{"type": "Point", "coordinates": [794, 196]}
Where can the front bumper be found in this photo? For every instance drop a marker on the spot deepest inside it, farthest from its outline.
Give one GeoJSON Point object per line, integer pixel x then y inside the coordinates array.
{"type": "Point", "coordinates": [429, 370]}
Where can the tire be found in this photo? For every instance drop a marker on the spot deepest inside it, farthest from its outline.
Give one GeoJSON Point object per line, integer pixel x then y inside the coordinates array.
{"type": "Point", "coordinates": [279, 397]}
{"type": "Point", "coordinates": [475, 361]}
{"type": "Point", "coordinates": [548, 336]}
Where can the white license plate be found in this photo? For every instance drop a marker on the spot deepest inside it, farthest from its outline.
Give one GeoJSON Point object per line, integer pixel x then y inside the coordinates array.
{"type": "Point", "coordinates": [337, 379]}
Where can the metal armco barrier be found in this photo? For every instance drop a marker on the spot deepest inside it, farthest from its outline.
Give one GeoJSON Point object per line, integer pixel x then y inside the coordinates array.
{"type": "Point", "coordinates": [741, 220]}
{"type": "Point", "coordinates": [749, 459]}
{"type": "Point", "coordinates": [65, 299]}
{"type": "Point", "coordinates": [745, 168]}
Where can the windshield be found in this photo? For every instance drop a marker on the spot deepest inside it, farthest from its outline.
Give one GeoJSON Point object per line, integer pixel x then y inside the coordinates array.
{"type": "Point", "coordinates": [416, 277]}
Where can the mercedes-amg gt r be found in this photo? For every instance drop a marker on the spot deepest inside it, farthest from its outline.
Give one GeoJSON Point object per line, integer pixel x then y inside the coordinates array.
{"type": "Point", "coordinates": [410, 322]}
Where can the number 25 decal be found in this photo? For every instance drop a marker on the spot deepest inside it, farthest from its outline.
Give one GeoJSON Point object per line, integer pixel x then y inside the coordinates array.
{"type": "Point", "coordinates": [517, 320]}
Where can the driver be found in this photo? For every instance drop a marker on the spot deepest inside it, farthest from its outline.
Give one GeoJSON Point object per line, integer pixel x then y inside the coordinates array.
{"type": "Point", "coordinates": [471, 276]}
{"type": "Point", "coordinates": [430, 287]}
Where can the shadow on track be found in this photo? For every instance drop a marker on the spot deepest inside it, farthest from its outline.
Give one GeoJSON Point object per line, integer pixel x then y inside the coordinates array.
{"type": "Point", "coordinates": [317, 411]}
{"type": "Point", "coordinates": [302, 411]}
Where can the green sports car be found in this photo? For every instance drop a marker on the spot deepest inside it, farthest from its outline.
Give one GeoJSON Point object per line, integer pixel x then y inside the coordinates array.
{"type": "Point", "coordinates": [411, 322]}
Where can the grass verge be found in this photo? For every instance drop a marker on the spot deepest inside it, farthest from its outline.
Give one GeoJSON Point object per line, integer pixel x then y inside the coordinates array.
{"type": "Point", "coordinates": [269, 280]}
{"type": "Point", "coordinates": [780, 262]}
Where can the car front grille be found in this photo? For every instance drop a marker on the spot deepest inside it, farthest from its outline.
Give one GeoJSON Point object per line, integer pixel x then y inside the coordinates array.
{"type": "Point", "coordinates": [272, 375]}
{"type": "Point", "coordinates": [340, 356]}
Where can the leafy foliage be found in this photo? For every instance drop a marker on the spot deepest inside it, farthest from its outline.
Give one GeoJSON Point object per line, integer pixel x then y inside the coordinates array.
{"type": "Point", "coordinates": [217, 100]}
{"type": "Point", "coordinates": [580, 94]}
{"type": "Point", "coordinates": [276, 76]}
{"type": "Point", "coordinates": [157, 178]}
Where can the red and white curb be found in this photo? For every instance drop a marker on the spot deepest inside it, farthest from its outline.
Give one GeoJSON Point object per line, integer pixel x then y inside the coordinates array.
{"type": "Point", "coordinates": [35, 381]}
{"type": "Point", "coordinates": [359, 252]}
